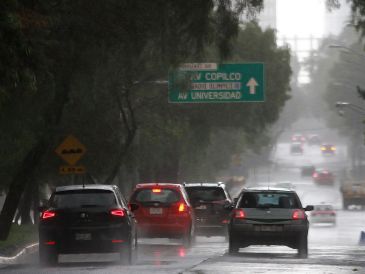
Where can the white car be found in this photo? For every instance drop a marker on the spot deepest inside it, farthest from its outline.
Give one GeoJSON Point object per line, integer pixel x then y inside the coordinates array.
{"type": "Point", "coordinates": [323, 214]}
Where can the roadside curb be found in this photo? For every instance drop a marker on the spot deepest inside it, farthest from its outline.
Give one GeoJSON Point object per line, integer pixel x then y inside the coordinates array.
{"type": "Point", "coordinates": [25, 251]}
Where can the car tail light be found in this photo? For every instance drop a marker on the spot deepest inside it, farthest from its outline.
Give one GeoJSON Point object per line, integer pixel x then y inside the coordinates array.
{"type": "Point", "coordinates": [156, 190]}
{"type": "Point", "coordinates": [182, 207]}
{"type": "Point", "coordinates": [315, 175]}
{"type": "Point", "coordinates": [48, 214]}
{"type": "Point", "coordinates": [117, 212]}
{"type": "Point", "coordinates": [239, 214]}
{"type": "Point", "coordinates": [50, 243]}
{"type": "Point", "coordinates": [225, 221]}
{"type": "Point", "coordinates": [115, 241]}
{"type": "Point", "coordinates": [298, 214]}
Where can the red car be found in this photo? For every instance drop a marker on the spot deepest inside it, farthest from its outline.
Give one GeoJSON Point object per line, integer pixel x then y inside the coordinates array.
{"type": "Point", "coordinates": [163, 211]}
{"type": "Point", "coordinates": [323, 176]}
{"type": "Point", "coordinates": [298, 138]}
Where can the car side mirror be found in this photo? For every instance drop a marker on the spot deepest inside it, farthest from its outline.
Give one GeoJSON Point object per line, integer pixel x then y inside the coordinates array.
{"type": "Point", "coordinates": [133, 207]}
{"type": "Point", "coordinates": [228, 205]}
{"type": "Point", "coordinates": [42, 208]}
{"type": "Point", "coordinates": [309, 208]}
{"type": "Point", "coordinates": [235, 200]}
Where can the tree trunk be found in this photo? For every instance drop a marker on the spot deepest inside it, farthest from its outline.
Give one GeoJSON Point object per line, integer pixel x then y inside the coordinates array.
{"type": "Point", "coordinates": [17, 186]}
{"type": "Point", "coordinates": [25, 173]}
{"type": "Point", "coordinates": [26, 205]}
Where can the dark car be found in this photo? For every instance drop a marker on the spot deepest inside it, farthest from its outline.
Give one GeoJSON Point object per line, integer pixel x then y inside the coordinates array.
{"type": "Point", "coordinates": [265, 216]}
{"type": "Point", "coordinates": [307, 170]}
{"type": "Point", "coordinates": [86, 219]}
{"type": "Point", "coordinates": [163, 211]}
{"type": "Point", "coordinates": [212, 205]}
{"type": "Point", "coordinates": [296, 148]}
{"type": "Point", "coordinates": [314, 140]}
{"type": "Point", "coordinates": [323, 176]}
{"type": "Point", "coordinates": [328, 149]}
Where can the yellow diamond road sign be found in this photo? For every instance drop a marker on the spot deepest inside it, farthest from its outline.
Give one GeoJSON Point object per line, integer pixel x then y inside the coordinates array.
{"type": "Point", "coordinates": [71, 150]}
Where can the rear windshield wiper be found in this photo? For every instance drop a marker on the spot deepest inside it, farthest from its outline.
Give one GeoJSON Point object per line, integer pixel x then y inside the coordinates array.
{"type": "Point", "coordinates": [89, 205]}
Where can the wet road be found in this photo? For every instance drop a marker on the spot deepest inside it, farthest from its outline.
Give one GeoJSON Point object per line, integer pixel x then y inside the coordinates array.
{"type": "Point", "coordinates": [332, 249]}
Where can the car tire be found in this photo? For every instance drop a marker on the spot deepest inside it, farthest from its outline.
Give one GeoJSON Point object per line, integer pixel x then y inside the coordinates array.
{"type": "Point", "coordinates": [187, 239]}
{"type": "Point", "coordinates": [233, 247]}
{"type": "Point", "coordinates": [303, 246]}
{"type": "Point", "coordinates": [128, 254]}
{"type": "Point", "coordinates": [47, 256]}
{"type": "Point", "coordinates": [345, 205]}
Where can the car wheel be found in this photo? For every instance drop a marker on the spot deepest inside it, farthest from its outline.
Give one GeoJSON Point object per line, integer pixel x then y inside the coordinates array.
{"type": "Point", "coordinates": [128, 253]}
{"type": "Point", "coordinates": [345, 205]}
{"type": "Point", "coordinates": [187, 240]}
{"type": "Point", "coordinates": [47, 257]}
{"type": "Point", "coordinates": [232, 246]}
{"type": "Point", "coordinates": [303, 246]}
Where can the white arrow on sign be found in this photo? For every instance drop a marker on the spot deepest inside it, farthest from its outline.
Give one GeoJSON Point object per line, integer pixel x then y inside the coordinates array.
{"type": "Point", "coordinates": [252, 84]}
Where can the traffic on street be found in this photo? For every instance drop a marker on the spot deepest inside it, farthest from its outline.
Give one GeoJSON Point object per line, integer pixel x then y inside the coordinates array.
{"type": "Point", "coordinates": [182, 137]}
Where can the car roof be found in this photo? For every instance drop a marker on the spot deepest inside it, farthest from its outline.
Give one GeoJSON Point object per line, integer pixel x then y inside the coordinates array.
{"type": "Point", "coordinates": [267, 189]}
{"type": "Point", "coordinates": [162, 185]}
{"type": "Point", "coordinates": [88, 186]}
{"type": "Point", "coordinates": [218, 184]}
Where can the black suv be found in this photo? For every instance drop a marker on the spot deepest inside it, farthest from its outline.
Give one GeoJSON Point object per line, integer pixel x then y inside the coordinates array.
{"type": "Point", "coordinates": [86, 219]}
{"type": "Point", "coordinates": [265, 216]}
{"type": "Point", "coordinates": [212, 205]}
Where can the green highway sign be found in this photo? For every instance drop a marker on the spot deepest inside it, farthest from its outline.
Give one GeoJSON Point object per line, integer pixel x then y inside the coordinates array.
{"type": "Point", "coordinates": [217, 83]}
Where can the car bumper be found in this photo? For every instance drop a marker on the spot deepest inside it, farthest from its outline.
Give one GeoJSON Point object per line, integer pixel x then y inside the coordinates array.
{"type": "Point", "coordinates": [85, 239]}
{"type": "Point", "coordinates": [163, 230]}
{"type": "Point", "coordinates": [264, 234]}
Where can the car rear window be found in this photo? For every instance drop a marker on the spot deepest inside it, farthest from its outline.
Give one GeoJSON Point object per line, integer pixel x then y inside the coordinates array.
{"type": "Point", "coordinates": [323, 208]}
{"type": "Point", "coordinates": [269, 200]}
{"type": "Point", "coordinates": [83, 198]}
{"type": "Point", "coordinates": [162, 195]}
{"type": "Point", "coordinates": [206, 194]}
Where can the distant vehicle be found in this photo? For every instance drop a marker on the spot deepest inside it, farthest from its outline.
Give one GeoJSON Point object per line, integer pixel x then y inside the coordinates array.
{"type": "Point", "coordinates": [163, 211]}
{"type": "Point", "coordinates": [307, 170]}
{"type": "Point", "coordinates": [265, 216]}
{"type": "Point", "coordinates": [86, 219]}
{"type": "Point", "coordinates": [328, 149]}
{"type": "Point", "coordinates": [212, 205]}
{"type": "Point", "coordinates": [298, 138]}
{"type": "Point", "coordinates": [314, 140]}
{"type": "Point", "coordinates": [323, 214]}
{"type": "Point", "coordinates": [353, 187]}
{"type": "Point", "coordinates": [296, 148]}
{"type": "Point", "coordinates": [323, 176]}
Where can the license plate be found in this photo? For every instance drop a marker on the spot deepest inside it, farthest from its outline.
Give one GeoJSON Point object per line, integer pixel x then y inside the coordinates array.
{"type": "Point", "coordinates": [268, 228]}
{"type": "Point", "coordinates": [83, 236]}
{"type": "Point", "coordinates": [201, 207]}
{"type": "Point", "coordinates": [155, 210]}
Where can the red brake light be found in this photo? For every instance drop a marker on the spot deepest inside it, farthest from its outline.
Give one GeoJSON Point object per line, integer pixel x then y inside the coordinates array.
{"type": "Point", "coordinates": [48, 214]}
{"type": "Point", "coordinates": [117, 212]}
{"type": "Point", "coordinates": [182, 207]}
{"type": "Point", "coordinates": [156, 190]}
{"type": "Point", "coordinates": [315, 175]}
{"type": "Point", "coordinates": [298, 215]}
{"type": "Point", "coordinates": [239, 214]}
